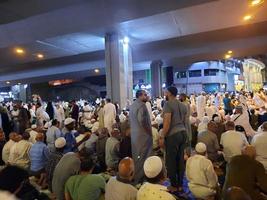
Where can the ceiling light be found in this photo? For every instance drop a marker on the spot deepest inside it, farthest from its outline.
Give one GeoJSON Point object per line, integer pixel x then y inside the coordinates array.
{"type": "Point", "coordinates": [247, 17]}
{"type": "Point", "coordinates": [39, 55]}
{"type": "Point", "coordinates": [230, 52]}
{"type": "Point", "coordinates": [227, 56]}
{"type": "Point", "coordinates": [19, 51]}
{"type": "Point", "coordinates": [96, 70]}
{"type": "Point", "coordinates": [7, 82]}
{"type": "Point", "coordinates": [19, 83]}
{"type": "Point", "coordinates": [256, 2]}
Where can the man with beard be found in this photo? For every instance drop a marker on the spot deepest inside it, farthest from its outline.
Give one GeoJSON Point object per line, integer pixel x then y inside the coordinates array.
{"type": "Point", "coordinates": [174, 130]}
{"type": "Point", "coordinates": [141, 133]}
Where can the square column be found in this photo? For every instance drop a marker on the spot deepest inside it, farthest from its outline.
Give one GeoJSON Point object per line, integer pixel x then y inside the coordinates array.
{"type": "Point", "coordinates": [156, 78]}
{"type": "Point", "coordinates": [119, 70]}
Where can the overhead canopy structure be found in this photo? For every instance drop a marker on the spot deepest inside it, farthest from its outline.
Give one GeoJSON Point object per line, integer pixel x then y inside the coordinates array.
{"type": "Point", "coordinates": [70, 34]}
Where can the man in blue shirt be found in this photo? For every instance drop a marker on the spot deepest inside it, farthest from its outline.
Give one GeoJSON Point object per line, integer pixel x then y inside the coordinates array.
{"type": "Point", "coordinates": [52, 134]}
{"type": "Point", "coordinates": [71, 144]}
{"type": "Point", "coordinates": [228, 109]}
{"type": "Point", "coordinates": [39, 154]}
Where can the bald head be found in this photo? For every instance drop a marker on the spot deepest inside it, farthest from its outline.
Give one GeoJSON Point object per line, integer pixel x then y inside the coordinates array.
{"type": "Point", "coordinates": [39, 137]}
{"type": "Point", "coordinates": [236, 193]}
{"type": "Point", "coordinates": [126, 169]}
{"type": "Point", "coordinates": [249, 151]}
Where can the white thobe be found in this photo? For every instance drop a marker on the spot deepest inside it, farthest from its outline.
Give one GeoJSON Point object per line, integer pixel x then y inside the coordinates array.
{"type": "Point", "coordinates": [109, 116]}
{"type": "Point", "coordinates": [60, 115]}
{"type": "Point", "coordinates": [243, 120]}
{"type": "Point", "coordinates": [233, 142]}
{"type": "Point", "coordinates": [201, 104]}
{"type": "Point", "coordinates": [19, 154]}
{"type": "Point", "coordinates": [210, 111]}
{"type": "Point", "coordinates": [6, 150]}
{"type": "Point", "coordinates": [202, 179]}
{"type": "Point", "coordinates": [259, 141]}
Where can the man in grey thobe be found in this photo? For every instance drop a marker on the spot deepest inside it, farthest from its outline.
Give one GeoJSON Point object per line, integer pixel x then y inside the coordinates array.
{"type": "Point", "coordinates": [141, 134]}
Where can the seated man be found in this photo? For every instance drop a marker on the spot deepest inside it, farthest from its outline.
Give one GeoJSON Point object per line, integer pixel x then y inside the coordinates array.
{"type": "Point", "coordinates": [68, 166]}
{"type": "Point", "coordinates": [259, 141]}
{"type": "Point", "coordinates": [202, 179]}
{"type": "Point", "coordinates": [211, 141]}
{"type": "Point", "coordinates": [15, 180]}
{"type": "Point", "coordinates": [232, 141]}
{"type": "Point", "coordinates": [236, 193]}
{"type": "Point", "coordinates": [7, 146]}
{"type": "Point", "coordinates": [245, 172]}
{"type": "Point", "coordinates": [85, 185]}
{"type": "Point", "coordinates": [119, 188]}
{"type": "Point", "coordinates": [39, 155]}
{"type": "Point", "coordinates": [112, 150]}
{"type": "Point", "coordinates": [153, 189]}
{"type": "Point", "coordinates": [53, 160]}
{"type": "Point", "coordinates": [19, 153]}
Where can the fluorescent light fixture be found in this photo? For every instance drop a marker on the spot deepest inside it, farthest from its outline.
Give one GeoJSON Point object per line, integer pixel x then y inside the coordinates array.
{"type": "Point", "coordinates": [97, 70]}
{"type": "Point", "coordinates": [19, 51]}
{"type": "Point", "coordinates": [247, 17]}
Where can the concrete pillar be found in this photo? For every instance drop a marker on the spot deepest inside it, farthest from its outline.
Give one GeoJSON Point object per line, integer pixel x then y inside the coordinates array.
{"type": "Point", "coordinates": [156, 78]}
{"type": "Point", "coordinates": [119, 69]}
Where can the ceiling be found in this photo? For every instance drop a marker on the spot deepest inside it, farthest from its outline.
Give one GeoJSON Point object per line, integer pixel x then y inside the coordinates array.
{"type": "Point", "coordinates": [71, 34]}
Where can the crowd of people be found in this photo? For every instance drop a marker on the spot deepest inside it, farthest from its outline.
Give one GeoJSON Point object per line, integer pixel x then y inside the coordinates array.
{"type": "Point", "coordinates": [206, 147]}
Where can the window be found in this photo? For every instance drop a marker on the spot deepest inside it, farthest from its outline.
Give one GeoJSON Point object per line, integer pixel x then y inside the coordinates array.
{"type": "Point", "coordinates": [211, 72]}
{"type": "Point", "coordinates": [180, 75]}
{"type": "Point", "coordinates": [195, 73]}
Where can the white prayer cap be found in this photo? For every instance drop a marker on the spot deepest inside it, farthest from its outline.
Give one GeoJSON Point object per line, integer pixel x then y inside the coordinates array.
{"type": "Point", "coordinates": [34, 126]}
{"type": "Point", "coordinates": [201, 147]}
{"type": "Point", "coordinates": [152, 166]}
{"type": "Point", "coordinates": [60, 142]}
{"type": "Point", "coordinates": [68, 121]}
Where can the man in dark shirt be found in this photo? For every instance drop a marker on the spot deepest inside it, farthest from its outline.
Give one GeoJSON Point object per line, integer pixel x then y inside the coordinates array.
{"type": "Point", "coordinates": [245, 172]}
{"type": "Point", "coordinates": [227, 105]}
{"type": "Point", "coordinates": [174, 130]}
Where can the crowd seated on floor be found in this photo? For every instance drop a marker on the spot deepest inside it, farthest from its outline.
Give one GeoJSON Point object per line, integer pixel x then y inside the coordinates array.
{"type": "Point", "coordinates": [199, 147]}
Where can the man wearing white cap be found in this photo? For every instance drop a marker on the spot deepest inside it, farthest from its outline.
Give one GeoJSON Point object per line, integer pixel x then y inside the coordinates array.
{"type": "Point", "coordinates": [53, 160]}
{"type": "Point", "coordinates": [202, 179]}
{"type": "Point", "coordinates": [152, 189]}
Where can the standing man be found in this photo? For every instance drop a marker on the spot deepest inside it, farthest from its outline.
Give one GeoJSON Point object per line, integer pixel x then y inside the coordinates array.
{"type": "Point", "coordinates": [174, 130]}
{"type": "Point", "coordinates": [141, 133]}
{"type": "Point", "coordinates": [74, 111]}
{"type": "Point", "coordinates": [201, 105]}
{"type": "Point", "coordinates": [109, 115]}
